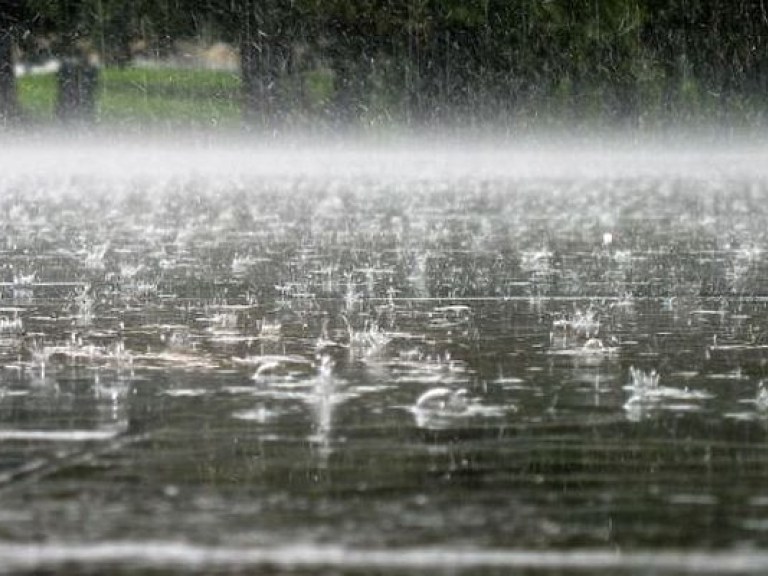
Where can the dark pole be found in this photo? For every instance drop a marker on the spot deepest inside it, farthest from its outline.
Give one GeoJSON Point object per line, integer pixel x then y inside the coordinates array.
{"type": "Point", "coordinates": [77, 79]}
{"type": "Point", "coordinates": [119, 28]}
{"type": "Point", "coordinates": [249, 56]}
{"type": "Point", "coordinates": [9, 106]}
{"type": "Point", "coordinates": [264, 59]}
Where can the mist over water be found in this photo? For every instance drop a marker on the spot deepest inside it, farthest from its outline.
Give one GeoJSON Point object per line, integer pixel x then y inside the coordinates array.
{"type": "Point", "coordinates": [434, 156]}
{"type": "Point", "coordinates": [404, 355]}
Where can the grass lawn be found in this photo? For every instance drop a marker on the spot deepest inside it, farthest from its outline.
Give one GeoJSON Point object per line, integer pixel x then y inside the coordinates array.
{"type": "Point", "coordinates": [155, 98]}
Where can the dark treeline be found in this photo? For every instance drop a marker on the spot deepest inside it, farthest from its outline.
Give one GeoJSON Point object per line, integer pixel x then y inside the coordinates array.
{"type": "Point", "coordinates": [433, 61]}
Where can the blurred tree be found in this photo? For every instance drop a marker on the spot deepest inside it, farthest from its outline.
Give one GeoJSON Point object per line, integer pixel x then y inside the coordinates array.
{"type": "Point", "coordinates": [68, 22]}
{"type": "Point", "coordinates": [265, 56]}
{"type": "Point", "coordinates": [10, 15]}
{"type": "Point", "coordinates": [112, 27]}
{"type": "Point", "coordinates": [425, 61]}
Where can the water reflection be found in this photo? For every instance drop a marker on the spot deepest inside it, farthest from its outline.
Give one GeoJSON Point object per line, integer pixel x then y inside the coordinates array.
{"type": "Point", "coordinates": [324, 397]}
{"type": "Point", "coordinates": [63, 403]}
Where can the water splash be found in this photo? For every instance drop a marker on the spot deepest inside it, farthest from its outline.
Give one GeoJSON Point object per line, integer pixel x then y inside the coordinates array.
{"type": "Point", "coordinates": [13, 325]}
{"type": "Point", "coordinates": [369, 341]}
{"type": "Point", "coordinates": [642, 382]}
{"type": "Point", "coordinates": [647, 395]}
{"type": "Point", "coordinates": [443, 401]}
{"type": "Point", "coordinates": [443, 407]}
{"type": "Point", "coordinates": [272, 367]}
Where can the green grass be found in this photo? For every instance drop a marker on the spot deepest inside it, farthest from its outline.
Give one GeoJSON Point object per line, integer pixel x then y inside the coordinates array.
{"type": "Point", "coordinates": [167, 99]}
{"type": "Point", "coordinates": [37, 95]}
{"type": "Point", "coordinates": [155, 98]}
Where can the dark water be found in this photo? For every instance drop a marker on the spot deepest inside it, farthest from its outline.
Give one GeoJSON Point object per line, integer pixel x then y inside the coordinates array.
{"type": "Point", "coordinates": [475, 373]}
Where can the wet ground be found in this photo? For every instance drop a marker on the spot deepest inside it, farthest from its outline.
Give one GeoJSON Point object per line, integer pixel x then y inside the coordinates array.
{"type": "Point", "coordinates": [386, 364]}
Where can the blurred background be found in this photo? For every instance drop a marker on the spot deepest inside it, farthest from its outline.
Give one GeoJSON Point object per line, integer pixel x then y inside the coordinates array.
{"type": "Point", "coordinates": [368, 63]}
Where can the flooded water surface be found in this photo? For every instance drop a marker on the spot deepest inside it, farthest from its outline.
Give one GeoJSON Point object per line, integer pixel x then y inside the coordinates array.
{"type": "Point", "coordinates": [383, 362]}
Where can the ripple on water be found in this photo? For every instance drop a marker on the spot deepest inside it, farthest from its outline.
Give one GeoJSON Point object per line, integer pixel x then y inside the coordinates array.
{"type": "Point", "coordinates": [443, 408]}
